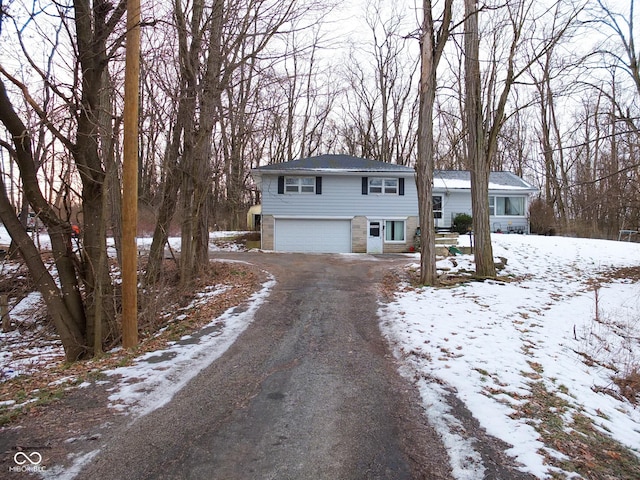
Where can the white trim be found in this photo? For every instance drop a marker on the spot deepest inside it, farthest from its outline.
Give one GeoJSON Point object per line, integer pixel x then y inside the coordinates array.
{"type": "Point", "coordinates": [525, 201]}
{"type": "Point", "coordinates": [313, 217]}
{"type": "Point", "coordinates": [313, 235]}
{"type": "Point", "coordinates": [355, 173]}
{"type": "Point", "coordinates": [300, 185]}
{"type": "Point", "coordinates": [383, 186]}
{"type": "Point", "coordinates": [384, 231]}
{"type": "Point", "coordinates": [378, 217]}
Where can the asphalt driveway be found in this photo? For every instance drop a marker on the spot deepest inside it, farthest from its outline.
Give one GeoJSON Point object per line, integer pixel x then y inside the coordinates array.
{"type": "Point", "coordinates": [308, 391]}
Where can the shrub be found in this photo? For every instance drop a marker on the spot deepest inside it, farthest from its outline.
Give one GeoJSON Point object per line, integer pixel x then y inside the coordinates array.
{"type": "Point", "coordinates": [462, 223]}
{"type": "Point", "coordinates": [629, 384]}
{"type": "Point", "coordinates": [541, 218]}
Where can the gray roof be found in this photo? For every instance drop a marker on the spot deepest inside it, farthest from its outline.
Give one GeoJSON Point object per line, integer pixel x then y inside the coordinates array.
{"type": "Point", "coordinates": [342, 163]}
{"type": "Point", "coordinates": [453, 179]}
{"type": "Point", "coordinates": [443, 179]}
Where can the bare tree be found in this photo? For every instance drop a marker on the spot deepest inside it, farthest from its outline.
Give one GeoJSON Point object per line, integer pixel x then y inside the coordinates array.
{"type": "Point", "coordinates": [64, 308]}
{"type": "Point", "coordinates": [616, 78]}
{"type": "Point", "coordinates": [522, 48]}
{"type": "Point", "coordinates": [478, 159]}
{"type": "Point", "coordinates": [85, 290]}
{"type": "Point", "coordinates": [433, 41]}
{"type": "Point", "coordinates": [215, 42]}
{"type": "Point", "coordinates": [380, 111]}
{"type": "Point", "coordinates": [275, 109]}
{"type": "Point", "coordinates": [551, 142]}
{"type": "Point", "coordinates": [622, 27]}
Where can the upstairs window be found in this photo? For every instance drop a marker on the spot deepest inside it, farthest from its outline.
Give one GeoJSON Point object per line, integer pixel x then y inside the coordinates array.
{"type": "Point", "coordinates": [300, 184]}
{"type": "Point", "coordinates": [383, 186]}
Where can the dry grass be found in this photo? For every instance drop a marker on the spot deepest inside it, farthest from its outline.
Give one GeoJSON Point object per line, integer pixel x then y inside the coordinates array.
{"type": "Point", "coordinates": [158, 325]}
{"type": "Point", "coordinates": [612, 340]}
{"type": "Point", "coordinates": [586, 448]}
{"type": "Point", "coordinates": [588, 451]}
{"type": "Point", "coordinates": [628, 384]}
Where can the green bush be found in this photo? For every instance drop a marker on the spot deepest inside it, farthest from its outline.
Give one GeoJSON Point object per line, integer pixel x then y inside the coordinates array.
{"type": "Point", "coordinates": [462, 223]}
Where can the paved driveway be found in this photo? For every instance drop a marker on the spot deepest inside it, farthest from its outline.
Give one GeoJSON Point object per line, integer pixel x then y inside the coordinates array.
{"type": "Point", "coordinates": [308, 391]}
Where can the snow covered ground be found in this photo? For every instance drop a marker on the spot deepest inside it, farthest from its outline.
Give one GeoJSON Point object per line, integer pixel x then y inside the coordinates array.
{"type": "Point", "coordinates": [28, 347]}
{"type": "Point", "coordinates": [491, 341]}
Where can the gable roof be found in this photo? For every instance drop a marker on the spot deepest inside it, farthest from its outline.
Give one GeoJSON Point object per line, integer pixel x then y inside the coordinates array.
{"type": "Point", "coordinates": [461, 180]}
{"type": "Point", "coordinates": [334, 163]}
{"type": "Point", "coordinates": [442, 179]}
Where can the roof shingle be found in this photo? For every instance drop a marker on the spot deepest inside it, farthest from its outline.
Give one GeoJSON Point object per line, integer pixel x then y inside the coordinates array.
{"type": "Point", "coordinates": [345, 163]}
{"type": "Point", "coordinates": [442, 179]}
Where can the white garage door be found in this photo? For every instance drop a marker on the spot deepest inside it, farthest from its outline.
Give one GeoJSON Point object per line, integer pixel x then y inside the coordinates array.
{"type": "Point", "coordinates": [318, 236]}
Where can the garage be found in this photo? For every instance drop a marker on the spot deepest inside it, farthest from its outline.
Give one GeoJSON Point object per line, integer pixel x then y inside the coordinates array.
{"type": "Point", "coordinates": [312, 235]}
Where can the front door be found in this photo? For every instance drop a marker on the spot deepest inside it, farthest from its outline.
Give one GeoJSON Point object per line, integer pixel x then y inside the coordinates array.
{"type": "Point", "coordinates": [374, 237]}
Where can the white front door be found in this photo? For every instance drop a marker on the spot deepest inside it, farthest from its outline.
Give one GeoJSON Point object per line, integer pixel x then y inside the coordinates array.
{"type": "Point", "coordinates": [374, 236]}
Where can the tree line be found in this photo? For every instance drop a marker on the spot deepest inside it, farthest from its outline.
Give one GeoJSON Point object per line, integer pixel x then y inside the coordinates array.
{"type": "Point", "coordinates": [547, 90]}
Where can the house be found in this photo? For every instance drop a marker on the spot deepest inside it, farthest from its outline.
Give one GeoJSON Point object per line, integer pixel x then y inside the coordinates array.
{"type": "Point", "coordinates": [342, 204]}
{"type": "Point", "coordinates": [254, 215]}
{"type": "Point", "coordinates": [509, 198]}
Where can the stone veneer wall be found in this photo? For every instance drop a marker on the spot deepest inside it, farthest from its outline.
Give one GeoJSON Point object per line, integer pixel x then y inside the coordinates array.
{"type": "Point", "coordinates": [268, 226]}
{"type": "Point", "coordinates": [412, 224]}
{"type": "Point", "coordinates": [359, 235]}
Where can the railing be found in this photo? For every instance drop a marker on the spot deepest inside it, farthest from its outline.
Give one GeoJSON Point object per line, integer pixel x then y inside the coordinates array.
{"type": "Point", "coordinates": [628, 233]}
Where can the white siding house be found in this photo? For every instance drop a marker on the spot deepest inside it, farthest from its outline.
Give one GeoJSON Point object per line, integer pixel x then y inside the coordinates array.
{"type": "Point", "coordinates": [509, 199]}
{"type": "Point", "coordinates": [342, 204]}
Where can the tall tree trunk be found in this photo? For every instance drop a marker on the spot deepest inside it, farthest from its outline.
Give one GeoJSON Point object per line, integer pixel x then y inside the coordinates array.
{"type": "Point", "coordinates": [92, 29]}
{"type": "Point", "coordinates": [64, 302]}
{"type": "Point", "coordinates": [431, 51]}
{"type": "Point", "coordinates": [109, 140]}
{"type": "Point", "coordinates": [71, 335]}
{"type": "Point", "coordinates": [477, 157]}
{"type": "Point", "coordinates": [168, 204]}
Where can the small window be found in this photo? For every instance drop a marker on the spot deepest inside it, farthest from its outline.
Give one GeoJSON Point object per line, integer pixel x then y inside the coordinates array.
{"type": "Point", "coordinates": [394, 231]}
{"type": "Point", "coordinates": [300, 184]}
{"type": "Point", "coordinates": [437, 206]}
{"type": "Point", "coordinates": [385, 186]}
{"type": "Point", "coordinates": [375, 185]}
{"type": "Point", "coordinates": [391, 186]}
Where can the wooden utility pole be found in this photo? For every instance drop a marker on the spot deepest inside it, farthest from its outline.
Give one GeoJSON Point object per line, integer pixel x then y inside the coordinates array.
{"type": "Point", "coordinates": [130, 179]}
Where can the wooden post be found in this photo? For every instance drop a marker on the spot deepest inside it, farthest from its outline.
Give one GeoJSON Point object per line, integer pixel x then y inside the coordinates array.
{"type": "Point", "coordinates": [130, 179]}
{"type": "Point", "coordinates": [4, 313]}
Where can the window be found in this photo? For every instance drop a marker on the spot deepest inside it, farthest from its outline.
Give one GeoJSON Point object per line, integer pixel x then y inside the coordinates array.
{"type": "Point", "coordinates": [385, 186]}
{"type": "Point", "coordinates": [437, 206]}
{"type": "Point", "coordinates": [506, 206]}
{"type": "Point", "coordinates": [394, 231]}
{"type": "Point", "coordinates": [300, 184]}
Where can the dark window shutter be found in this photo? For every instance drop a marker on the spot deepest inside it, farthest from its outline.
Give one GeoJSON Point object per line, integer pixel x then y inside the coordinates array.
{"type": "Point", "coordinates": [318, 185]}
{"type": "Point", "coordinates": [365, 185]}
{"type": "Point", "coordinates": [280, 185]}
{"type": "Point", "coordinates": [401, 186]}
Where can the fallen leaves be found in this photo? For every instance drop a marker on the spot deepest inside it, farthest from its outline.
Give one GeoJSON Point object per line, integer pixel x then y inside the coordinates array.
{"type": "Point", "coordinates": [181, 313]}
